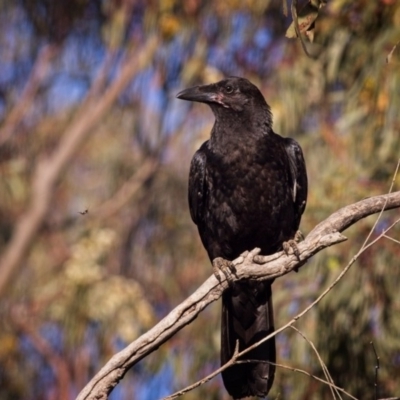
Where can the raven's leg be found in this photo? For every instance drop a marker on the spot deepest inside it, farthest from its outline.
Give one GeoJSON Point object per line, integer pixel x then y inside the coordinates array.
{"type": "Point", "coordinates": [292, 244]}
{"type": "Point", "coordinates": [224, 266]}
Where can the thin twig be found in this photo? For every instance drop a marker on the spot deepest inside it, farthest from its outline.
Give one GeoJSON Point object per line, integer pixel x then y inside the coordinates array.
{"type": "Point", "coordinates": [384, 207]}
{"type": "Point", "coordinates": [390, 238]}
{"type": "Point", "coordinates": [323, 365]}
{"type": "Point", "coordinates": [326, 382]}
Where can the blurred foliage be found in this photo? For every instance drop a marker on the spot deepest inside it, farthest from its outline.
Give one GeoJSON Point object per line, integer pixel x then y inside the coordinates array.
{"type": "Point", "coordinates": [100, 272]}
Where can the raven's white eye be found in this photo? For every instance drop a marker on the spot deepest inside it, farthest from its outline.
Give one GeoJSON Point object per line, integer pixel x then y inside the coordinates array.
{"type": "Point", "coordinates": [228, 89]}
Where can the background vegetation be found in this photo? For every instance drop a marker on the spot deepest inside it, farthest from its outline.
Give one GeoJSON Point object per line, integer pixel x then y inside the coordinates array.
{"type": "Point", "coordinates": [94, 158]}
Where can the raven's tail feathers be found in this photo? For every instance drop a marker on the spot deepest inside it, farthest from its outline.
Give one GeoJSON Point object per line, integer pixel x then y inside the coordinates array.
{"type": "Point", "coordinates": [247, 317]}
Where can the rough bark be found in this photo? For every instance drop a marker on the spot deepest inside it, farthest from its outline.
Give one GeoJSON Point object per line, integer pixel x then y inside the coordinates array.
{"type": "Point", "coordinates": [249, 265]}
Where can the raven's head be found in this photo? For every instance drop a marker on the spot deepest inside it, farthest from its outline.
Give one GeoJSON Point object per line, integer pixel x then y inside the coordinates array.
{"type": "Point", "coordinates": [233, 95]}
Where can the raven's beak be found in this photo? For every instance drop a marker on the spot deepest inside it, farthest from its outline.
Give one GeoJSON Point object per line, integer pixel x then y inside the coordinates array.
{"type": "Point", "coordinates": [201, 94]}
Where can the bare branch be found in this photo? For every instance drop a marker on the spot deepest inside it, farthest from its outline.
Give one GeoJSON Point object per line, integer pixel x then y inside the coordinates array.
{"type": "Point", "coordinates": [247, 266]}
{"type": "Point", "coordinates": [287, 325]}
{"type": "Point", "coordinates": [330, 384]}
{"type": "Point", "coordinates": [392, 239]}
{"type": "Point", "coordinates": [384, 206]}
{"type": "Point", "coordinates": [321, 362]}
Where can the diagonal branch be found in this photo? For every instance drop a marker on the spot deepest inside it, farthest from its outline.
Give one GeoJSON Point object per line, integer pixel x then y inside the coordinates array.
{"type": "Point", "coordinates": [324, 368]}
{"type": "Point", "coordinates": [237, 355]}
{"type": "Point", "coordinates": [325, 234]}
{"type": "Point", "coordinates": [326, 382]}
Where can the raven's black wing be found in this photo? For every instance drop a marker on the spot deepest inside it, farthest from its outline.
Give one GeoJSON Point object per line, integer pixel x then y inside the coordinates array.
{"type": "Point", "coordinates": [197, 185]}
{"type": "Point", "coordinates": [299, 177]}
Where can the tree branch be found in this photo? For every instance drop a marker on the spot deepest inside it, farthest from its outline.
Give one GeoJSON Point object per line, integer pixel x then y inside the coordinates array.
{"type": "Point", "coordinates": [248, 265]}
{"type": "Point", "coordinates": [238, 355]}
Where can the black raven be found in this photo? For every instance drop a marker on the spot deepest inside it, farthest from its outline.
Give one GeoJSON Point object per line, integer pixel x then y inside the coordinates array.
{"type": "Point", "coordinates": [247, 189]}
